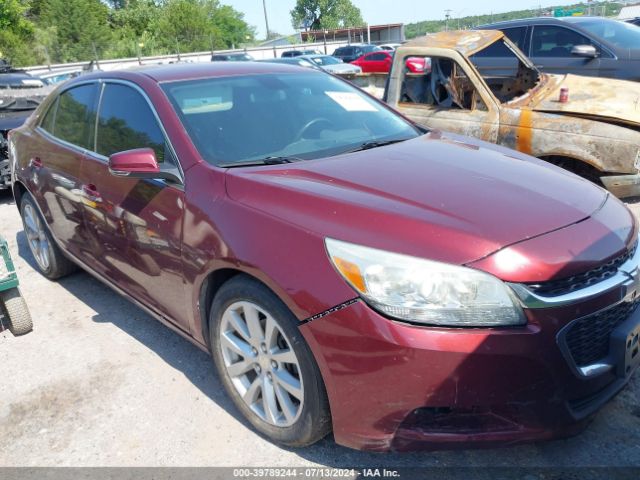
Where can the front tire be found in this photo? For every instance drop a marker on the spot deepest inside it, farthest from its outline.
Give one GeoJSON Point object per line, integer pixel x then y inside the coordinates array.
{"type": "Point", "coordinates": [265, 364]}
{"type": "Point", "coordinates": [49, 258]}
{"type": "Point", "coordinates": [16, 312]}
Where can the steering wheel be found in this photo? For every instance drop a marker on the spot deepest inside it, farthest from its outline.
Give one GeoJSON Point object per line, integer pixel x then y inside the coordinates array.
{"type": "Point", "coordinates": [308, 126]}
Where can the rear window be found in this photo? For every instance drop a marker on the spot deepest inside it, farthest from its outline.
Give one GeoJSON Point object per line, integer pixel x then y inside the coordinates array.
{"type": "Point", "coordinates": [74, 117]}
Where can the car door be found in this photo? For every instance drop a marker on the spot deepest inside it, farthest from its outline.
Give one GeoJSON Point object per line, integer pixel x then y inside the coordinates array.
{"type": "Point", "coordinates": [56, 156]}
{"type": "Point", "coordinates": [551, 47]}
{"type": "Point", "coordinates": [446, 98]}
{"type": "Point", "coordinates": [366, 63]}
{"type": "Point", "coordinates": [380, 61]}
{"type": "Point", "coordinates": [135, 224]}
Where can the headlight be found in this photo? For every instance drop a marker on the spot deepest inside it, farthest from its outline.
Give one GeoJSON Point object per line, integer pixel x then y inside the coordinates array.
{"type": "Point", "coordinates": [424, 291]}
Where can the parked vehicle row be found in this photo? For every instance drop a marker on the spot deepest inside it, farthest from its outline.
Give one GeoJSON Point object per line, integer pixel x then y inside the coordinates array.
{"type": "Point", "coordinates": [348, 268]}
{"type": "Point", "coordinates": [20, 94]}
{"type": "Point", "coordinates": [323, 62]}
{"type": "Point", "coordinates": [351, 59]}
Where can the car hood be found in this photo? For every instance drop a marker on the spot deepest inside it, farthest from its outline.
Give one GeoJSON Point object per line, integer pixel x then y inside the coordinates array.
{"type": "Point", "coordinates": [598, 98]}
{"type": "Point", "coordinates": [445, 197]}
{"type": "Point", "coordinates": [10, 119]}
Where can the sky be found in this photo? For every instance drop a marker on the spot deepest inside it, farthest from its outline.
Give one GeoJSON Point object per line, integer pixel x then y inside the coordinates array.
{"type": "Point", "coordinates": [377, 12]}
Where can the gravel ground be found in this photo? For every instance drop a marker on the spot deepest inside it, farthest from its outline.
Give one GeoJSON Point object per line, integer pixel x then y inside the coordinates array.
{"type": "Point", "coordinates": [100, 383]}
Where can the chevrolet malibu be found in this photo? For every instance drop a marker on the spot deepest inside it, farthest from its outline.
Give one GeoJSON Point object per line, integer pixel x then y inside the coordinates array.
{"type": "Point", "coordinates": [347, 270]}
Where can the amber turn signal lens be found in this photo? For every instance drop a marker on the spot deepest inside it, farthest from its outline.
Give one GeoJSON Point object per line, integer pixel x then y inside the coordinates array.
{"type": "Point", "coordinates": [351, 272]}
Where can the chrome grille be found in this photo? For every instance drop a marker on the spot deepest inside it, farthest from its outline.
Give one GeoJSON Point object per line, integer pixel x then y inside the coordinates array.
{"type": "Point", "coordinates": [582, 280]}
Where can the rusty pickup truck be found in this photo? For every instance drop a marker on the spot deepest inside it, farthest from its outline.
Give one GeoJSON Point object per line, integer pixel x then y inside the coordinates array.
{"type": "Point", "coordinates": [593, 131]}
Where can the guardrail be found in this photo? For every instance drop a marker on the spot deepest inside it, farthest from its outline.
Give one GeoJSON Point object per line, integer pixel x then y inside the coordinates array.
{"type": "Point", "coordinates": [259, 53]}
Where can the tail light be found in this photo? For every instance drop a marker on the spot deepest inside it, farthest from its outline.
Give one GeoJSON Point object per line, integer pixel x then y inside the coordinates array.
{"type": "Point", "coordinates": [416, 64]}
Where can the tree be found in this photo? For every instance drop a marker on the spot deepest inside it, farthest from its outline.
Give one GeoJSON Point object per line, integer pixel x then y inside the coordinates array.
{"type": "Point", "coordinates": [16, 32]}
{"type": "Point", "coordinates": [326, 14]}
{"type": "Point", "coordinates": [81, 26]}
{"type": "Point", "coordinates": [193, 25]}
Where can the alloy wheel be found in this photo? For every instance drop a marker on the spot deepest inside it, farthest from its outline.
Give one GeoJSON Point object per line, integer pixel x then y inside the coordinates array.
{"type": "Point", "coordinates": [261, 363]}
{"type": "Point", "coordinates": [37, 237]}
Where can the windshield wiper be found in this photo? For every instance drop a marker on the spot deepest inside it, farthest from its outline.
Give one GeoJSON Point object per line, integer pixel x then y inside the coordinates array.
{"type": "Point", "coordinates": [375, 144]}
{"type": "Point", "coordinates": [262, 161]}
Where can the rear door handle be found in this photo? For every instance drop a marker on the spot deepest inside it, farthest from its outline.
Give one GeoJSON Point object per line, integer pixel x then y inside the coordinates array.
{"type": "Point", "coordinates": [36, 162]}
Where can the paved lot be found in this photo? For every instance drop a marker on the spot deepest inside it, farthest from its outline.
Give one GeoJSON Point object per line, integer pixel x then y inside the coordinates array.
{"type": "Point", "coordinates": [100, 383]}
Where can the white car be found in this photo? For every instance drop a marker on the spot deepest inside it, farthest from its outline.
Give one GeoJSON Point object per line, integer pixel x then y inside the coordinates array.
{"type": "Point", "coordinates": [332, 64]}
{"type": "Point", "coordinates": [389, 46]}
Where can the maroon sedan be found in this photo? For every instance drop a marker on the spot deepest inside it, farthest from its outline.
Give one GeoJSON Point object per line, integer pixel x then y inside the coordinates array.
{"type": "Point", "coordinates": [346, 269]}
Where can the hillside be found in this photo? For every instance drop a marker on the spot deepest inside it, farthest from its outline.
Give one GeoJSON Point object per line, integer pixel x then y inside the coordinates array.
{"type": "Point", "coordinates": [430, 26]}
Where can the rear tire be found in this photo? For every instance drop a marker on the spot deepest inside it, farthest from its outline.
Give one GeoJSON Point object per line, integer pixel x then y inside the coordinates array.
{"type": "Point", "coordinates": [265, 364]}
{"type": "Point", "coordinates": [16, 312]}
{"type": "Point", "coordinates": [49, 258]}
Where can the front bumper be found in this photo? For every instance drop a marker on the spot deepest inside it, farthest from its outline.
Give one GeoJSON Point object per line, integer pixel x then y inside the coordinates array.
{"type": "Point", "coordinates": [395, 386]}
{"type": "Point", "coordinates": [622, 186]}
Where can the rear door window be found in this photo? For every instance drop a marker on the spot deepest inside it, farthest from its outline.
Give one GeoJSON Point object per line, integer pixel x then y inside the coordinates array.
{"type": "Point", "coordinates": [74, 118]}
{"type": "Point", "coordinates": [376, 56]}
{"type": "Point", "coordinates": [126, 122]}
{"type": "Point", "coordinates": [517, 35]}
{"type": "Point", "coordinates": [50, 117]}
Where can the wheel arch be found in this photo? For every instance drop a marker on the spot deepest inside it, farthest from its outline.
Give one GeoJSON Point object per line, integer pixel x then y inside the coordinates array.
{"type": "Point", "coordinates": [18, 191]}
{"type": "Point", "coordinates": [581, 167]}
{"type": "Point", "coordinates": [210, 286]}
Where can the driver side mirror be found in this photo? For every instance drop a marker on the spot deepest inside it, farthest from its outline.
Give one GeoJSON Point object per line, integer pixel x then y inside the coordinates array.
{"type": "Point", "coordinates": [140, 163]}
{"type": "Point", "coordinates": [586, 51]}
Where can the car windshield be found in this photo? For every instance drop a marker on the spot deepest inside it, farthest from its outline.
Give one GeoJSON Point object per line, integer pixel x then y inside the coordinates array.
{"type": "Point", "coordinates": [620, 34]}
{"type": "Point", "coordinates": [325, 60]}
{"type": "Point", "coordinates": [244, 119]}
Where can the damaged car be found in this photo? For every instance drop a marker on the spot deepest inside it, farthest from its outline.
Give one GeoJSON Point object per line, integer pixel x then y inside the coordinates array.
{"type": "Point", "coordinates": [348, 270]}
{"type": "Point", "coordinates": [587, 125]}
{"type": "Point", "coordinates": [20, 95]}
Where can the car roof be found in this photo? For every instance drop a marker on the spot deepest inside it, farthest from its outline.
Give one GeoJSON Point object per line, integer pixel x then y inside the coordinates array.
{"type": "Point", "coordinates": [540, 21]}
{"type": "Point", "coordinates": [467, 42]}
{"type": "Point", "coordinates": [193, 71]}
{"type": "Point", "coordinates": [286, 60]}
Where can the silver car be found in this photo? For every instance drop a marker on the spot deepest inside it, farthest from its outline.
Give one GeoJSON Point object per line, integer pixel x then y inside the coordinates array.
{"type": "Point", "coordinates": [332, 64]}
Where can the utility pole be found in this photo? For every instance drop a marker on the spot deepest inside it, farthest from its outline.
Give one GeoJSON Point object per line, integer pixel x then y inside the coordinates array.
{"type": "Point", "coordinates": [266, 20]}
{"type": "Point", "coordinates": [447, 16]}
